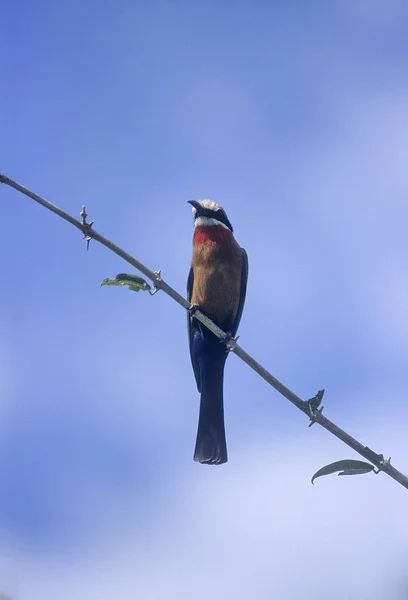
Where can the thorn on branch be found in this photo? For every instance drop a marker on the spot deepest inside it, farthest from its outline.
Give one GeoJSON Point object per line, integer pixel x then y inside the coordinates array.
{"type": "Point", "coordinates": [86, 227]}
{"type": "Point", "coordinates": [384, 462]}
{"type": "Point", "coordinates": [311, 407]}
{"type": "Point", "coordinates": [157, 282]}
{"type": "Point", "coordinates": [313, 414]}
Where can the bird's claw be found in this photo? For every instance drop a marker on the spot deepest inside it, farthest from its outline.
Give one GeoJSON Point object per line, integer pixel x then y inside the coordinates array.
{"type": "Point", "coordinates": [193, 309]}
{"type": "Point", "coordinates": [229, 341]}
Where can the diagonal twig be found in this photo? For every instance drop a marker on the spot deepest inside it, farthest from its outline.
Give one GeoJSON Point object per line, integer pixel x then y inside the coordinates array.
{"type": "Point", "coordinates": [309, 408]}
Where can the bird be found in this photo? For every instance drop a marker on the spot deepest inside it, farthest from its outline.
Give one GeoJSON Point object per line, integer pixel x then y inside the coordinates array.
{"type": "Point", "coordinates": [216, 285]}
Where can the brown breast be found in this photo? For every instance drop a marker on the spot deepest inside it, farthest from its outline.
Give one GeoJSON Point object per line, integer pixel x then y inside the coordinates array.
{"type": "Point", "coordinates": [217, 267]}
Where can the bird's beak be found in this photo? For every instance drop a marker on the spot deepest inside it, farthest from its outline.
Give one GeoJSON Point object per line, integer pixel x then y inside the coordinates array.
{"type": "Point", "coordinates": [200, 210]}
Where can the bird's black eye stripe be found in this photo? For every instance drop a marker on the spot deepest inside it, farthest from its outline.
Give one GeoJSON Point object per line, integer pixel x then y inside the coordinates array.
{"type": "Point", "coordinates": [221, 216]}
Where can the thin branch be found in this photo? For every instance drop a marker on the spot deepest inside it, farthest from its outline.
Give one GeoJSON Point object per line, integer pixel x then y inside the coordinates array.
{"type": "Point", "coordinates": [309, 408]}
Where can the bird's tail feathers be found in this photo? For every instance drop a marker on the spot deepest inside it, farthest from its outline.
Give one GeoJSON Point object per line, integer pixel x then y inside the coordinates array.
{"type": "Point", "coordinates": [211, 445]}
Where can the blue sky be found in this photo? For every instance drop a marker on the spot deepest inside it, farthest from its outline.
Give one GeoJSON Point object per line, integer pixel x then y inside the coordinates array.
{"type": "Point", "coordinates": [294, 117]}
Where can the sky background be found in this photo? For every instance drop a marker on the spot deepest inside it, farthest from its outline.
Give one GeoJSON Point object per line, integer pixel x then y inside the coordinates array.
{"type": "Point", "coordinates": [294, 117]}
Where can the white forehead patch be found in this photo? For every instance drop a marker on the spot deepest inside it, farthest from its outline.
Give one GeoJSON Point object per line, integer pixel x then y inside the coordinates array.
{"type": "Point", "coordinates": [208, 204]}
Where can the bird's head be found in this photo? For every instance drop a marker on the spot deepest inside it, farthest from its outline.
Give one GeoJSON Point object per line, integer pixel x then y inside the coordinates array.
{"type": "Point", "coordinates": [208, 213]}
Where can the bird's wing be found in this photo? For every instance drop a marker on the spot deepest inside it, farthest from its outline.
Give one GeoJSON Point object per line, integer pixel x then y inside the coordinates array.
{"type": "Point", "coordinates": [194, 361]}
{"type": "Point", "coordinates": [244, 280]}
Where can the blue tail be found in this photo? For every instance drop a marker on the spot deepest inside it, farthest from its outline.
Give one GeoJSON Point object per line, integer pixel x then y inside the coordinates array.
{"type": "Point", "coordinates": [211, 446]}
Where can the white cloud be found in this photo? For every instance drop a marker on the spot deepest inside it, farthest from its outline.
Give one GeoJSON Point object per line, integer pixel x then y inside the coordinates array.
{"type": "Point", "coordinates": [256, 528]}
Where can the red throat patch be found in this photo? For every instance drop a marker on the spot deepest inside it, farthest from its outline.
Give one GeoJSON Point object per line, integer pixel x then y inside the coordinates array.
{"type": "Point", "coordinates": [211, 233]}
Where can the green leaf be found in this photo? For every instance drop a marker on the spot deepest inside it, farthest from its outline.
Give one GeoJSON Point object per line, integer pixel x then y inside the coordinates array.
{"type": "Point", "coordinates": [346, 466]}
{"type": "Point", "coordinates": [134, 282]}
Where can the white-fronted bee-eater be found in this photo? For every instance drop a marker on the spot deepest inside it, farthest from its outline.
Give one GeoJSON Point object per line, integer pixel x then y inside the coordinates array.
{"type": "Point", "coordinates": [217, 286]}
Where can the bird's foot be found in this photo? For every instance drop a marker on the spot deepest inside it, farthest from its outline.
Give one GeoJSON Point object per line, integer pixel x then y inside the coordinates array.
{"type": "Point", "coordinates": [229, 341]}
{"type": "Point", "coordinates": [193, 309]}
